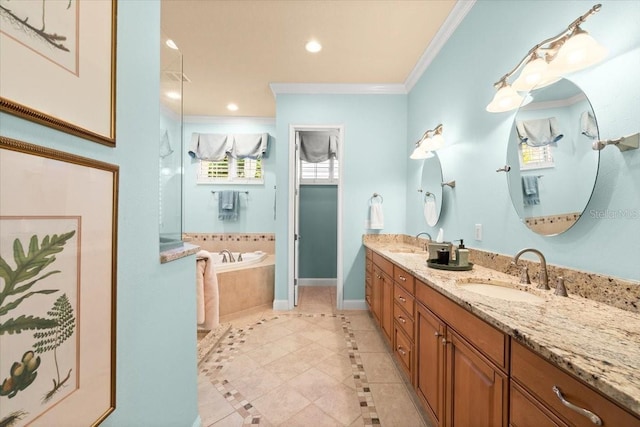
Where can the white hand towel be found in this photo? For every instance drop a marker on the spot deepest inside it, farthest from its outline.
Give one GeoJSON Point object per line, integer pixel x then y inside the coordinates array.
{"type": "Point", "coordinates": [430, 214]}
{"type": "Point", "coordinates": [376, 216]}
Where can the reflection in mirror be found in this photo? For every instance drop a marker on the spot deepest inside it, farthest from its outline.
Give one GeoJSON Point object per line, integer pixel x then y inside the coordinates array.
{"type": "Point", "coordinates": [431, 187]}
{"type": "Point", "coordinates": [553, 167]}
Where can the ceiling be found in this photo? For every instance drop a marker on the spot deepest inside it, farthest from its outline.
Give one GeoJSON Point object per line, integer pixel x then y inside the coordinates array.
{"type": "Point", "coordinates": [233, 50]}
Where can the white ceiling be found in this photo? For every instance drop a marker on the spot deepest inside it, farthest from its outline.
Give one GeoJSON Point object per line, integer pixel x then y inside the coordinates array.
{"type": "Point", "coordinates": [233, 50]}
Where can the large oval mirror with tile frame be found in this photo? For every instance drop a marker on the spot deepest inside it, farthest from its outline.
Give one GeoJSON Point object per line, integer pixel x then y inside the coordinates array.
{"type": "Point", "coordinates": [431, 189]}
{"type": "Point", "coordinates": [553, 165]}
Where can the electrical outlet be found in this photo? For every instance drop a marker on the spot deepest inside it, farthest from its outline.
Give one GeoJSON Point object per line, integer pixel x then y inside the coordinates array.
{"type": "Point", "coordinates": [478, 232]}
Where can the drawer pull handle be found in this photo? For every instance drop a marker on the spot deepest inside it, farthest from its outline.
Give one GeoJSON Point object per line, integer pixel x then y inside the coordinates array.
{"type": "Point", "coordinates": [400, 318]}
{"type": "Point", "coordinates": [402, 299]}
{"type": "Point", "coordinates": [592, 417]}
{"type": "Point", "coordinates": [404, 279]}
{"type": "Point", "coordinates": [401, 351]}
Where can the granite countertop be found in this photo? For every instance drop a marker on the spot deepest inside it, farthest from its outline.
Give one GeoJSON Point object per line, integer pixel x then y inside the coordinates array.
{"type": "Point", "coordinates": [598, 343]}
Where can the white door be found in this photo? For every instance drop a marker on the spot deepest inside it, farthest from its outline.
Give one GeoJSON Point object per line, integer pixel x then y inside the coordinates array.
{"type": "Point", "coordinates": [296, 224]}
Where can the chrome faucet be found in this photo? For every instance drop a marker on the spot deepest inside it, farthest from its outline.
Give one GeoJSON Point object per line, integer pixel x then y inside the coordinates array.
{"type": "Point", "coordinates": [420, 234]}
{"type": "Point", "coordinates": [544, 279]}
{"type": "Point", "coordinates": [224, 258]}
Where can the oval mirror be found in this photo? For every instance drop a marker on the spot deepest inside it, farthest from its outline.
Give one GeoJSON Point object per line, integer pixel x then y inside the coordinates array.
{"type": "Point", "coordinates": [553, 165]}
{"type": "Point", "coordinates": [431, 187]}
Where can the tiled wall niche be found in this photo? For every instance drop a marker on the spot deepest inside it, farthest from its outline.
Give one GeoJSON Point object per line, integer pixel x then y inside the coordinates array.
{"type": "Point", "coordinates": [235, 242]}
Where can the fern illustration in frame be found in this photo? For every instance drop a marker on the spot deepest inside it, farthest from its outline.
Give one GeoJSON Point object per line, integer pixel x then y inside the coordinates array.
{"type": "Point", "coordinates": [57, 286]}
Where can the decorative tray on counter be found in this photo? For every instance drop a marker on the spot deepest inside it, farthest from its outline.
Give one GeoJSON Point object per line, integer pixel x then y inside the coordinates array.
{"type": "Point", "coordinates": [432, 263]}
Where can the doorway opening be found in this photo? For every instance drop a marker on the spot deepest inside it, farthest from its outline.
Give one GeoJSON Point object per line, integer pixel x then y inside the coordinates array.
{"type": "Point", "coordinates": [315, 211]}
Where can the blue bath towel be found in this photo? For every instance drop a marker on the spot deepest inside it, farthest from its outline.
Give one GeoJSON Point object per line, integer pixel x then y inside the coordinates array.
{"type": "Point", "coordinates": [228, 205]}
{"type": "Point", "coordinates": [530, 194]}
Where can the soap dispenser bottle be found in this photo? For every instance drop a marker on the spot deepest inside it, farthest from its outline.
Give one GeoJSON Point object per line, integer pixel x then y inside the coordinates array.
{"type": "Point", "coordinates": [462, 255]}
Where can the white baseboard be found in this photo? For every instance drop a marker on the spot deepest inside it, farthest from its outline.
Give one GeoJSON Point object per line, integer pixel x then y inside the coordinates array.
{"type": "Point", "coordinates": [317, 282]}
{"type": "Point", "coordinates": [197, 422]}
{"type": "Point", "coordinates": [354, 304]}
{"type": "Point", "coordinates": [280, 304]}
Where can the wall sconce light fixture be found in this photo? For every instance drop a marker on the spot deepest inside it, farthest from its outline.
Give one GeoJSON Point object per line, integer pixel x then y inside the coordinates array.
{"type": "Point", "coordinates": [431, 140]}
{"type": "Point", "coordinates": [624, 143]}
{"type": "Point", "coordinates": [571, 50]}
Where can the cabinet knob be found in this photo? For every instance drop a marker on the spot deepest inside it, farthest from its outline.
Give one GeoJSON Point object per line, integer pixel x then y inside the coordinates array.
{"type": "Point", "coordinates": [402, 319]}
{"type": "Point", "coordinates": [445, 342]}
{"type": "Point", "coordinates": [437, 334]}
{"type": "Point", "coordinates": [401, 351]}
{"type": "Point", "coordinates": [592, 417]}
{"type": "Point", "coordinates": [401, 298]}
{"type": "Point", "coordinates": [404, 279]}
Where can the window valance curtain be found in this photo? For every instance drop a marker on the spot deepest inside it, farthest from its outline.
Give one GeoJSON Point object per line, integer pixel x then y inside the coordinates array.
{"type": "Point", "coordinates": [216, 146]}
{"type": "Point", "coordinates": [318, 146]}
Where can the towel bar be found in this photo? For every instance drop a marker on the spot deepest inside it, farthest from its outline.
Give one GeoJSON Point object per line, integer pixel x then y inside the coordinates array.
{"type": "Point", "coordinates": [245, 192]}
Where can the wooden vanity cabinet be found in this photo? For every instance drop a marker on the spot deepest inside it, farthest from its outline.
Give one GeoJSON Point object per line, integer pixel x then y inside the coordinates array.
{"type": "Point", "coordinates": [461, 364]}
{"type": "Point", "coordinates": [429, 366]}
{"type": "Point", "coordinates": [534, 378]}
{"type": "Point", "coordinates": [382, 295]}
{"type": "Point", "coordinates": [368, 278]}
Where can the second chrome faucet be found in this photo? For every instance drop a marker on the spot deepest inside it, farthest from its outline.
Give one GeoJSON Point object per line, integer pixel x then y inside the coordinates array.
{"type": "Point", "coordinates": [543, 277]}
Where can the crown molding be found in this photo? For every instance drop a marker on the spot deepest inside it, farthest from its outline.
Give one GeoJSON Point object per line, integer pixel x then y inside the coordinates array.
{"type": "Point", "coordinates": [450, 24]}
{"type": "Point", "coordinates": [219, 120]}
{"type": "Point", "coordinates": [338, 88]}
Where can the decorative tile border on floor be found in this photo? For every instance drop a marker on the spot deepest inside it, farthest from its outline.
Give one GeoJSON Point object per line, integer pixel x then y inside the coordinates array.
{"type": "Point", "coordinates": [228, 346]}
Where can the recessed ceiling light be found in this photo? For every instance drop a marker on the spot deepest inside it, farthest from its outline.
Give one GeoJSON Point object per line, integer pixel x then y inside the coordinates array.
{"type": "Point", "coordinates": [232, 107]}
{"type": "Point", "coordinates": [313, 46]}
{"type": "Point", "coordinates": [171, 44]}
{"type": "Point", "coordinates": [173, 95]}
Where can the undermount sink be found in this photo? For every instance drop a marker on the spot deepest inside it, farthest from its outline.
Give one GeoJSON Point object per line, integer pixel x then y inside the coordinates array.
{"type": "Point", "coordinates": [407, 251]}
{"type": "Point", "coordinates": [500, 290]}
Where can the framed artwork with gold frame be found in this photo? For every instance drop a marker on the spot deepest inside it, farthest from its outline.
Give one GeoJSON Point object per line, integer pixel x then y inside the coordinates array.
{"type": "Point", "coordinates": [58, 232]}
{"type": "Point", "coordinates": [58, 65]}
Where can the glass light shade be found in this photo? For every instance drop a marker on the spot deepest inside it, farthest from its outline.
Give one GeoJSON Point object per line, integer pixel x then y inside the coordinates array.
{"type": "Point", "coordinates": [578, 52]}
{"type": "Point", "coordinates": [535, 74]}
{"type": "Point", "coordinates": [434, 143]}
{"type": "Point", "coordinates": [420, 154]}
{"type": "Point", "coordinates": [505, 99]}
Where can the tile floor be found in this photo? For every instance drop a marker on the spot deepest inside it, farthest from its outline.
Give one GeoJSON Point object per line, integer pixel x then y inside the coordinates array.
{"type": "Point", "coordinates": [311, 366]}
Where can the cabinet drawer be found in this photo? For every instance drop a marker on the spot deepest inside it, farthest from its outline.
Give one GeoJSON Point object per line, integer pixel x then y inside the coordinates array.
{"type": "Point", "coordinates": [403, 320]}
{"type": "Point", "coordinates": [404, 299]}
{"type": "Point", "coordinates": [403, 278]}
{"type": "Point", "coordinates": [383, 264]}
{"type": "Point", "coordinates": [403, 351]}
{"type": "Point", "coordinates": [368, 253]}
{"type": "Point", "coordinates": [490, 341]}
{"type": "Point", "coordinates": [526, 411]}
{"type": "Point", "coordinates": [539, 377]}
{"type": "Point", "coordinates": [369, 265]}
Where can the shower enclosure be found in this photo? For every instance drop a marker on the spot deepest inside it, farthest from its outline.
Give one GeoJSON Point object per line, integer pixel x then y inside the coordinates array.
{"type": "Point", "coordinates": [170, 141]}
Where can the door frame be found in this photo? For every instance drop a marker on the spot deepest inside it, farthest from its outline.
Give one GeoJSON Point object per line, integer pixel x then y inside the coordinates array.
{"type": "Point", "coordinates": [292, 210]}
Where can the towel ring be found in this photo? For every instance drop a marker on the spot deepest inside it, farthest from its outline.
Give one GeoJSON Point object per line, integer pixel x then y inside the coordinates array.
{"type": "Point", "coordinates": [375, 196]}
{"type": "Point", "coordinates": [427, 195]}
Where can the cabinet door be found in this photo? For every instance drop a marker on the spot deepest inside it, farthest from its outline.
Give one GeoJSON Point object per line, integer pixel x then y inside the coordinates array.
{"type": "Point", "coordinates": [386, 307]}
{"type": "Point", "coordinates": [376, 293]}
{"type": "Point", "coordinates": [476, 390]}
{"type": "Point", "coordinates": [429, 369]}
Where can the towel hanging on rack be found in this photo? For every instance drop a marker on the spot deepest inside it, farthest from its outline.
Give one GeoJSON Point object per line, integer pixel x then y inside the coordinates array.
{"type": "Point", "coordinates": [376, 214]}
{"type": "Point", "coordinates": [430, 212]}
{"type": "Point", "coordinates": [228, 205]}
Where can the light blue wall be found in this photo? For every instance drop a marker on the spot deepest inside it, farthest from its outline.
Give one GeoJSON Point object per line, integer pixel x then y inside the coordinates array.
{"type": "Point", "coordinates": [201, 206]}
{"type": "Point", "coordinates": [318, 215]}
{"type": "Point", "coordinates": [373, 160]}
{"type": "Point", "coordinates": [156, 381]}
{"type": "Point", "coordinates": [454, 91]}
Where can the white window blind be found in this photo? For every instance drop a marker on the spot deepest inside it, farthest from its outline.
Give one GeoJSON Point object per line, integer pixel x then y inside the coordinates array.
{"type": "Point", "coordinates": [231, 171]}
{"type": "Point", "coordinates": [319, 173]}
{"type": "Point", "coordinates": [535, 157]}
